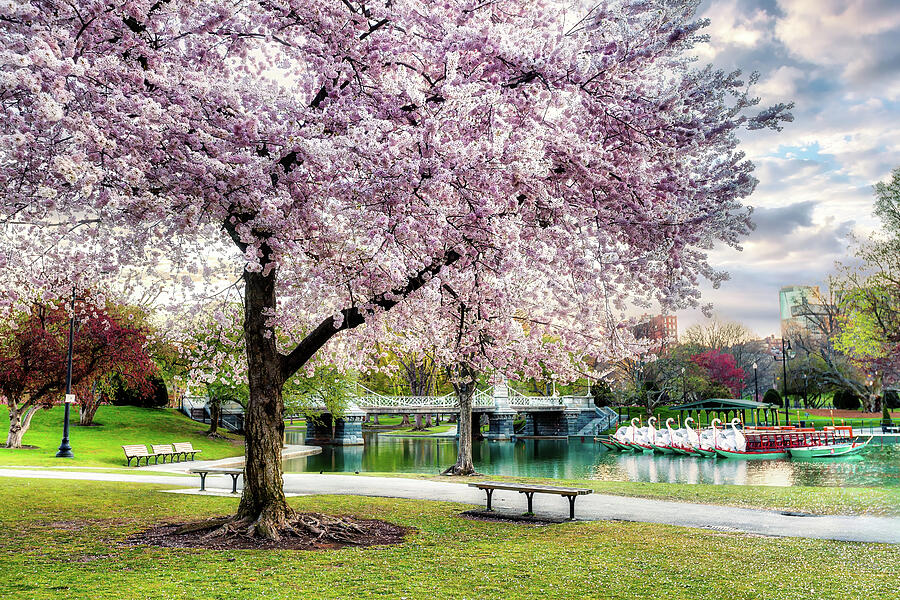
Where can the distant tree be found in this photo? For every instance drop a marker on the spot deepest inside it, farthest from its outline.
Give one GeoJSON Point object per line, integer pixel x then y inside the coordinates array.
{"type": "Point", "coordinates": [34, 349]}
{"type": "Point", "coordinates": [846, 399]}
{"type": "Point", "coordinates": [772, 397]}
{"type": "Point", "coordinates": [721, 370]}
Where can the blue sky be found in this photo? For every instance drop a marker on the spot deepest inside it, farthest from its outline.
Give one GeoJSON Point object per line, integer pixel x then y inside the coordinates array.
{"type": "Point", "coordinates": [839, 61]}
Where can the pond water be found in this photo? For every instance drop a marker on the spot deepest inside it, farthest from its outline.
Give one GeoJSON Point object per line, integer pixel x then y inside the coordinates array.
{"type": "Point", "coordinates": [576, 459]}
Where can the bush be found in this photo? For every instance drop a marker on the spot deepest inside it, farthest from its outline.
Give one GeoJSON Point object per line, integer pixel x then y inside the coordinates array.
{"type": "Point", "coordinates": [846, 399]}
{"type": "Point", "coordinates": [772, 397]}
{"type": "Point", "coordinates": [602, 394]}
{"type": "Point", "coordinates": [886, 416]}
{"type": "Point", "coordinates": [156, 397]}
{"type": "Point", "coordinates": [892, 399]}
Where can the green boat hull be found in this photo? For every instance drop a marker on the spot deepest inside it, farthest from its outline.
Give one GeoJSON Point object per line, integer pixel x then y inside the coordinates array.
{"type": "Point", "coordinates": [705, 453]}
{"type": "Point", "coordinates": [827, 451]}
{"type": "Point", "coordinates": [663, 449]}
{"type": "Point", "coordinates": [752, 455]}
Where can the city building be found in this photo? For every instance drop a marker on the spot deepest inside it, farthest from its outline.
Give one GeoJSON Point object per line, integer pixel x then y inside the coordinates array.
{"type": "Point", "coordinates": [798, 303]}
{"type": "Point", "coordinates": [661, 330]}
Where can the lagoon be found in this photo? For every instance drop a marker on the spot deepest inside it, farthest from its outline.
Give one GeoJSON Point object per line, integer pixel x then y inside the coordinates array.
{"type": "Point", "coordinates": [577, 459]}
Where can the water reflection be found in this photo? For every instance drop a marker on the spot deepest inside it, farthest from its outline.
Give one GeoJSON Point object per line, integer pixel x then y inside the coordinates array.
{"type": "Point", "coordinates": [586, 460]}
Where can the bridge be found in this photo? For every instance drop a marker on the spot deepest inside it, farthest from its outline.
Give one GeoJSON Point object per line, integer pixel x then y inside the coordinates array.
{"type": "Point", "coordinates": [554, 416]}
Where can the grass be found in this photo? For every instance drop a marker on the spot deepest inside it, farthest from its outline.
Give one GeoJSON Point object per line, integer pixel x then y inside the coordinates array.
{"type": "Point", "coordinates": [819, 500]}
{"type": "Point", "coordinates": [432, 430]}
{"type": "Point", "coordinates": [100, 446]}
{"type": "Point", "coordinates": [63, 540]}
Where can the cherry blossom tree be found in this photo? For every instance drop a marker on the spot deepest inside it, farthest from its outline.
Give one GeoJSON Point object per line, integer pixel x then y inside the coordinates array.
{"type": "Point", "coordinates": [336, 156]}
{"type": "Point", "coordinates": [721, 369]}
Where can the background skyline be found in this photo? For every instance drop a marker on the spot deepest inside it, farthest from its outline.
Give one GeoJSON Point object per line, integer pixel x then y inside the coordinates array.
{"type": "Point", "coordinates": [839, 62]}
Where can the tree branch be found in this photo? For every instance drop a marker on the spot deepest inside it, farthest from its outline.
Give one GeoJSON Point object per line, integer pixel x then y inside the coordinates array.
{"type": "Point", "coordinates": [354, 316]}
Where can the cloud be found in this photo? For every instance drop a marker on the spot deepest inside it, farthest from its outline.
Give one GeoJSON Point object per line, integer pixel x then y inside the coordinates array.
{"type": "Point", "coordinates": [859, 37]}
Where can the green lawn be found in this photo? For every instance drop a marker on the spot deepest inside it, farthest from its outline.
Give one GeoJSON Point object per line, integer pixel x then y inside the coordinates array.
{"type": "Point", "coordinates": [434, 429]}
{"type": "Point", "coordinates": [63, 540]}
{"type": "Point", "coordinates": [100, 446]}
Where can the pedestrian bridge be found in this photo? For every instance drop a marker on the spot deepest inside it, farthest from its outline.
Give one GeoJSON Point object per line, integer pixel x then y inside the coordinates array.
{"type": "Point", "coordinates": [543, 416]}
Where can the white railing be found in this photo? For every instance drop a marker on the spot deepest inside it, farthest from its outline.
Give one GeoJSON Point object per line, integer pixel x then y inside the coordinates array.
{"type": "Point", "coordinates": [521, 400]}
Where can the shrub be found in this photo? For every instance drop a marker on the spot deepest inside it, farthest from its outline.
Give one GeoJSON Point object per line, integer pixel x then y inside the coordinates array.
{"type": "Point", "coordinates": [846, 399]}
{"type": "Point", "coordinates": [885, 415]}
{"type": "Point", "coordinates": [157, 397]}
{"type": "Point", "coordinates": [602, 394]}
{"type": "Point", "coordinates": [892, 399]}
{"type": "Point", "coordinates": [772, 397]}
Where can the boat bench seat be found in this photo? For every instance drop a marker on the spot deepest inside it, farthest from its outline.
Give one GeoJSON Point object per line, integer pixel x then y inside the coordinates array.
{"type": "Point", "coordinates": [530, 489]}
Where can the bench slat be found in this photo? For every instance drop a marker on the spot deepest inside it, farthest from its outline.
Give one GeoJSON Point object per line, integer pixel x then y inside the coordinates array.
{"type": "Point", "coordinates": [525, 487]}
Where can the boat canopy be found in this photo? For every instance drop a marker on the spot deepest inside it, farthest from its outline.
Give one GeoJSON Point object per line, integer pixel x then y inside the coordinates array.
{"type": "Point", "coordinates": [721, 404]}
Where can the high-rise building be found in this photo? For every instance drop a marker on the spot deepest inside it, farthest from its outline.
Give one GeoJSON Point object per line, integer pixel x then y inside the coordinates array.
{"type": "Point", "coordinates": [797, 302]}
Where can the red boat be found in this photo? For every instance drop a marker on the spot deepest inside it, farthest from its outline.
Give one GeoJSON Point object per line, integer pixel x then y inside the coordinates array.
{"type": "Point", "coordinates": [774, 442]}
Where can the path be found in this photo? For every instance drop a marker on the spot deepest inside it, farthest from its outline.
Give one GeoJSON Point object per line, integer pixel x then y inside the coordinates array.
{"type": "Point", "coordinates": [594, 507]}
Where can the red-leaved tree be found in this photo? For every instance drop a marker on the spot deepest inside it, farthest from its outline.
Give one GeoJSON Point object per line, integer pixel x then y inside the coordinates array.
{"type": "Point", "coordinates": [722, 369]}
{"type": "Point", "coordinates": [34, 350]}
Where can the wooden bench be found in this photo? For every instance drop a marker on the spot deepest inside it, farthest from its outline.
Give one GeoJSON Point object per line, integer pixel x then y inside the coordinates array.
{"type": "Point", "coordinates": [138, 451]}
{"type": "Point", "coordinates": [164, 451]}
{"type": "Point", "coordinates": [235, 473]}
{"type": "Point", "coordinates": [185, 448]}
{"type": "Point", "coordinates": [530, 490]}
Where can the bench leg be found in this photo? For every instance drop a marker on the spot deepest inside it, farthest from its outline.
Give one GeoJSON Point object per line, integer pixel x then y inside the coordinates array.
{"type": "Point", "coordinates": [489, 494]}
{"type": "Point", "coordinates": [571, 507]}
{"type": "Point", "coordinates": [202, 481]}
{"type": "Point", "coordinates": [234, 477]}
{"type": "Point", "coordinates": [530, 496]}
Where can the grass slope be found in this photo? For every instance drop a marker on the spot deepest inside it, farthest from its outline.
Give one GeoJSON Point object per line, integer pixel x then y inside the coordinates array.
{"type": "Point", "coordinates": [63, 540]}
{"type": "Point", "coordinates": [100, 446]}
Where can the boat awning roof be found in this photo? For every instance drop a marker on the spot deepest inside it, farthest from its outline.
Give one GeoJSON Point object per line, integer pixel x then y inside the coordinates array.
{"type": "Point", "coordinates": [724, 404]}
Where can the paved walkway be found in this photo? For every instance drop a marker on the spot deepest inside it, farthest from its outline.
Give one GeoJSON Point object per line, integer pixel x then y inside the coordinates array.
{"type": "Point", "coordinates": [594, 507]}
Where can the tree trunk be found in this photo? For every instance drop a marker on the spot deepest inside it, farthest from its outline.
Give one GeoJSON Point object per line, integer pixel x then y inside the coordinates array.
{"type": "Point", "coordinates": [419, 426]}
{"type": "Point", "coordinates": [215, 415]}
{"type": "Point", "coordinates": [19, 422]}
{"type": "Point", "coordinates": [263, 503]}
{"type": "Point", "coordinates": [428, 420]}
{"type": "Point", "coordinates": [375, 420]}
{"type": "Point", "coordinates": [405, 420]}
{"type": "Point", "coordinates": [88, 407]}
{"type": "Point", "coordinates": [464, 464]}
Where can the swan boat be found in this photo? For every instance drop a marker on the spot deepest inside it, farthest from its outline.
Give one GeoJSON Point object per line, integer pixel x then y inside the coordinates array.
{"type": "Point", "coordinates": [829, 450]}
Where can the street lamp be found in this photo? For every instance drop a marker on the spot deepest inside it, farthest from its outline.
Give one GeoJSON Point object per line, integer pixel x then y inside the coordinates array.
{"type": "Point", "coordinates": [65, 450]}
{"type": "Point", "coordinates": [786, 352]}
{"type": "Point", "coordinates": [755, 383]}
{"type": "Point", "coordinates": [683, 387]}
{"type": "Point", "coordinates": [805, 382]}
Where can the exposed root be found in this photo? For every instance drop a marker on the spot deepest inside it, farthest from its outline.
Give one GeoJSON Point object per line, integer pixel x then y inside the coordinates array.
{"type": "Point", "coordinates": [462, 470]}
{"type": "Point", "coordinates": [302, 531]}
{"type": "Point", "coordinates": [203, 525]}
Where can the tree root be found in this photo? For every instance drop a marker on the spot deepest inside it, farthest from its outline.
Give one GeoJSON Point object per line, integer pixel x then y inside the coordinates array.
{"type": "Point", "coordinates": [464, 471]}
{"type": "Point", "coordinates": [319, 527]}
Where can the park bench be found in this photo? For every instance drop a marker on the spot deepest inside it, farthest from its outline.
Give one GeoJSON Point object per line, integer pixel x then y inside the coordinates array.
{"type": "Point", "coordinates": [138, 451]}
{"type": "Point", "coordinates": [203, 472]}
{"type": "Point", "coordinates": [164, 451]}
{"type": "Point", "coordinates": [185, 448]}
{"type": "Point", "coordinates": [530, 490]}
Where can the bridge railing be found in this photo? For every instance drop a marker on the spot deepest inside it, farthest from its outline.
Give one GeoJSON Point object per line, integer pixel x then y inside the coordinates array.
{"type": "Point", "coordinates": [519, 399]}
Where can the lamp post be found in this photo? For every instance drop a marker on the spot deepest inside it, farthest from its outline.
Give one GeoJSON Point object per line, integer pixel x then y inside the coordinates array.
{"type": "Point", "coordinates": [805, 383]}
{"type": "Point", "coordinates": [65, 450]}
{"type": "Point", "coordinates": [683, 387]}
{"type": "Point", "coordinates": [755, 383]}
{"type": "Point", "coordinates": [785, 349]}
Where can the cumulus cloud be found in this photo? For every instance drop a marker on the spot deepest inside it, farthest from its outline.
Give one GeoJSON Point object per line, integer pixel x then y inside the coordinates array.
{"type": "Point", "coordinates": [839, 61]}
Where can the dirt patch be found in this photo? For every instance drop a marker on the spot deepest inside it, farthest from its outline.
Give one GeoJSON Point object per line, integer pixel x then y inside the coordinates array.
{"type": "Point", "coordinates": [372, 533]}
{"type": "Point", "coordinates": [68, 525]}
{"type": "Point", "coordinates": [499, 517]}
